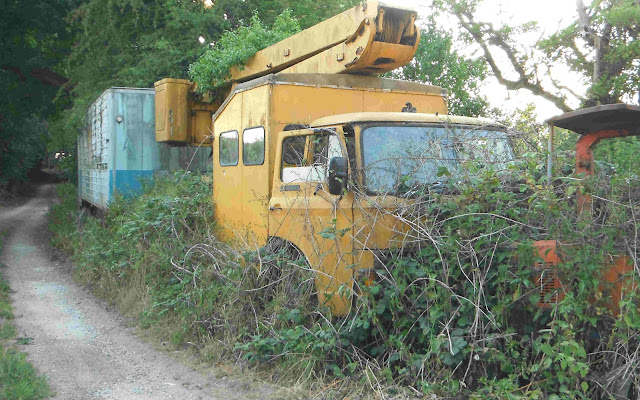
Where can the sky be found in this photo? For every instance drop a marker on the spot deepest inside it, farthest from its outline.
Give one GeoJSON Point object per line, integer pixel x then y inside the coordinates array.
{"type": "Point", "coordinates": [550, 16]}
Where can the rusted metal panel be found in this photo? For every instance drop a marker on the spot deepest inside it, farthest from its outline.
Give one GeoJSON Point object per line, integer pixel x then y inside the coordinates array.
{"type": "Point", "coordinates": [594, 124]}
{"type": "Point", "coordinates": [227, 193]}
{"type": "Point", "coordinates": [610, 117]}
{"type": "Point", "coordinates": [95, 153]}
{"type": "Point", "coordinates": [182, 116]}
{"type": "Point", "coordinates": [614, 281]}
{"type": "Point", "coordinates": [549, 286]}
{"type": "Point", "coordinates": [172, 112]}
{"type": "Point", "coordinates": [256, 182]}
{"type": "Point", "coordinates": [617, 281]}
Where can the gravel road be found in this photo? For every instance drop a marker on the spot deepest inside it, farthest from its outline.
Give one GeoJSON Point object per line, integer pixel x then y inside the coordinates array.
{"type": "Point", "coordinates": [86, 350]}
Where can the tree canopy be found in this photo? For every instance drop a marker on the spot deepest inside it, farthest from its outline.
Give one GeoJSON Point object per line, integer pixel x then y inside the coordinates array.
{"type": "Point", "coordinates": [137, 42]}
{"type": "Point", "coordinates": [610, 33]}
{"type": "Point", "coordinates": [437, 63]}
{"type": "Point", "coordinates": [212, 70]}
{"type": "Point", "coordinates": [33, 43]}
{"type": "Point", "coordinates": [55, 59]}
{"type": "Point", "coordinates": [130, 43]}
{"type": "Point", "coordinates": [601, 45]}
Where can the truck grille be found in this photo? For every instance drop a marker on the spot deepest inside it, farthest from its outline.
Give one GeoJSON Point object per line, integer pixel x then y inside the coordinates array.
{"type": "Point", "coordinates": [549, 286]}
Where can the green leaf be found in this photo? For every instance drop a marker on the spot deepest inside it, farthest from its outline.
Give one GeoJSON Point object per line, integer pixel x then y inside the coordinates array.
{"type": "Point", "coordinates": [546, 349]}
{"type": "Point", "coordinates": [534, 298]}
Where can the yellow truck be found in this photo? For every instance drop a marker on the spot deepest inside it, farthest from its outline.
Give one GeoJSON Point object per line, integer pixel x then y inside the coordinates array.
{"type": "Point", "coordinates": [311, 148]}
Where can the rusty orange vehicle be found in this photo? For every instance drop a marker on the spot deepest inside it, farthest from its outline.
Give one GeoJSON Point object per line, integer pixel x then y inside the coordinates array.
{"type": "Point", "coordinates": [593, 125]}
{"type": "Point", "coordinates": [311, 148]}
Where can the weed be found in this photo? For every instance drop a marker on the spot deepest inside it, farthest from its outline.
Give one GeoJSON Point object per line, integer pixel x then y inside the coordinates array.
{"type": "Point", "coordinates": [24, 340]}
{"type": "Point", "coordinates": [19, 380]}
{"type": "Point", "coordinates": [7, 330]}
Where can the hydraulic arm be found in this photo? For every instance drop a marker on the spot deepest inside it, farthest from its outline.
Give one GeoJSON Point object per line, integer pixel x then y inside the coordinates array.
{"type": "Point", "coordinates": [369, 39]}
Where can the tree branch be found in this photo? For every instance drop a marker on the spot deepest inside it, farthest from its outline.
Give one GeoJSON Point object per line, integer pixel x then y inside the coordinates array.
{"type": "Point", "coordinates": [524, 80]}
{"type": "Point", "coordinates": [45, 76]}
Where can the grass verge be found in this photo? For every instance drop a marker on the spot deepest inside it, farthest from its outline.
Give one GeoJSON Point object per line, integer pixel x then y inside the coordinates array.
{"type": "Point", "coordinates": [18, 378]}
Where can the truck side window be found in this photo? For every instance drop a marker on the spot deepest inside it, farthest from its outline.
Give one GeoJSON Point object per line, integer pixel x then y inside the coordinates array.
{"type": "Point", "coordinates": [253, 146]}
{"type": "Point", "coordinates": [306, 158]}
{"type": "Point", "coordinates": [228, 148]}
{"type": "Point", "coordinates": [293, 151]}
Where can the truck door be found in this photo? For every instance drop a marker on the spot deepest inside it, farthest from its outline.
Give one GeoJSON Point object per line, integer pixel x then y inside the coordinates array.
{"type": "Point", "coordinates": [303, 211]}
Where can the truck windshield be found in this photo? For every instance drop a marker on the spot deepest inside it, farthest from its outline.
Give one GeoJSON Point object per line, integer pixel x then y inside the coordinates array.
{"type": "Point", "coordinates": [400, 158]}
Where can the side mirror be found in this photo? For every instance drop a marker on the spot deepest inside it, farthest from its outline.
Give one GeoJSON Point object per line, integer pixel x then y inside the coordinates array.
{"type": "Point", "coordinates": [338, 174]}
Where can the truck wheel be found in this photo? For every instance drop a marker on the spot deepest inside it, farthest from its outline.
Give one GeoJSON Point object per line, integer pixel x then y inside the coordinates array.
{"type": "Point", "coordinates": [285, 274]}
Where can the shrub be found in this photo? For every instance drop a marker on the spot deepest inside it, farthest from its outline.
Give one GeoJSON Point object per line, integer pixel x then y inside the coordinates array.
{"type": "Point", "coordinates": [455, 314]}
{"type": "Point", "coordinates": [235, 48]}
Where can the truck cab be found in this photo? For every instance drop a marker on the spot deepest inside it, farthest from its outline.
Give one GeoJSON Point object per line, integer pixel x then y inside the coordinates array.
{"type": "Point", "coordinates": [342, 187]}
{"type": "Point", "coordinates": [312, 148]}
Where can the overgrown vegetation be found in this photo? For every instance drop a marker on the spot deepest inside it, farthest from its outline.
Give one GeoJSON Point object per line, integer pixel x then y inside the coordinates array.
{"type": "Point", "coordinates": [234, 48]}
{"type": "Point", "coordinates": [56, 59]}
{"type": "Point", "coordinates": [18, 379]}
{"type": "Point", "coordinates": [455, 315]}
{"type": "Point", "coordinates": [34, 42]}
{"type": "Point", "coordinates": [136, 43]}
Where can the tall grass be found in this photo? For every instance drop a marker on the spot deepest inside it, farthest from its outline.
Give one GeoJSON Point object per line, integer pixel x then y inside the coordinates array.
{"type": "Point", "coordinates": [157, 258]}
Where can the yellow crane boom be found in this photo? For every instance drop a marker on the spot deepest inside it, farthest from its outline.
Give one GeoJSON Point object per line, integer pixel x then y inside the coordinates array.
{"type": "Point", "coordinates": [369, 39]}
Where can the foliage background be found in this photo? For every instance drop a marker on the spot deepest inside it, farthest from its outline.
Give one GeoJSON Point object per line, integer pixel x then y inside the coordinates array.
{"type": "Point", "coordinates": [56, 59]}
{"type": "Point", "coordinates": [33, 43]}
{"type": "Point", "coordinates": [457, 317]}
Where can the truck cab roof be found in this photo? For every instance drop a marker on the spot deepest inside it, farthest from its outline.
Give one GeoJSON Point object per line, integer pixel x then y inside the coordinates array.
{"type": "Point", "coordinates": [395, 117]}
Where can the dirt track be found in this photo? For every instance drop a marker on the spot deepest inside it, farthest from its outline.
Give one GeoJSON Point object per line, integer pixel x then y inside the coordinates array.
{"type": "Point", "coordinates": [85, 350]}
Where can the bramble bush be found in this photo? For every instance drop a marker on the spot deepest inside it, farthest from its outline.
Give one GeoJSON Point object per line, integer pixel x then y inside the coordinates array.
{"type": "Point", "coordinates": [453, 315]}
